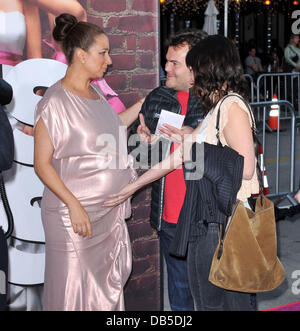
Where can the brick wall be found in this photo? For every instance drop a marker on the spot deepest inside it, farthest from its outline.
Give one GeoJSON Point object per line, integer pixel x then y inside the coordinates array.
{"type": "Point", "coordinates": [143, 290]}
{"type": "Point", "coordinates": [132, 27]}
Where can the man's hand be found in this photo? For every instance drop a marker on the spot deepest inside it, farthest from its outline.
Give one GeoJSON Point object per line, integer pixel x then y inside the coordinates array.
{"type": "Point", "coordinates": [144, 132]}
{"type": "Point", "coordinates": [184, 137]}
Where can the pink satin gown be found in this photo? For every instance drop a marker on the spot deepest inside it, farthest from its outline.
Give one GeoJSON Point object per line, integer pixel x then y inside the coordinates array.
{"type": "Point", "coordinates": [90, 156]}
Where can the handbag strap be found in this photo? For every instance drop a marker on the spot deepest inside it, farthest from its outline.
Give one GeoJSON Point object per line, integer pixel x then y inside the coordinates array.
{"type": "Point", "coordinates": [223, 227]}
{"type": "Point", "coordinates": [254, 135]}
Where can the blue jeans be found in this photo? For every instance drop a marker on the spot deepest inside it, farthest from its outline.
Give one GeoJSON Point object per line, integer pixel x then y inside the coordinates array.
{"type": "Point", "coordinates": [202, 245]}
{"type": "Point", "coordinates": [180, 296]}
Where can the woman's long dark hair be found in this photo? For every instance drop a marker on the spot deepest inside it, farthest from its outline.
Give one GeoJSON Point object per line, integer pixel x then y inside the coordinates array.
{"type": "Point", "coordinates": [217, 70]}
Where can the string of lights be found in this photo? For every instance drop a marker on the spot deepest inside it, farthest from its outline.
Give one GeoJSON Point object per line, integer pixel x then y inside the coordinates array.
{"type": "Point", "coordinates": [189, 8]}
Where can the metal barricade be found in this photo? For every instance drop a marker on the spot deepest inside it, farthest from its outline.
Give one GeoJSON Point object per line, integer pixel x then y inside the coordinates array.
{"type": "Point", "coordinates": [265, 105]}
{"type": "Point", "coordinates": [251, 86]}
{"type": "Point", "coordinates": [284, 85]}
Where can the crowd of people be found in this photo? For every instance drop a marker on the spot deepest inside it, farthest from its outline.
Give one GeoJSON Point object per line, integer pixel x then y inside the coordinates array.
{"type": "Point", "coordinates": [81, 156]}
{"type": "Point", "coordinates": [287, 60]}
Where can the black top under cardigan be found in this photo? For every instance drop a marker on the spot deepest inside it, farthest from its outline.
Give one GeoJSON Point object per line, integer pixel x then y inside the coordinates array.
{"type": "Point", "coordinates": [210, 198]}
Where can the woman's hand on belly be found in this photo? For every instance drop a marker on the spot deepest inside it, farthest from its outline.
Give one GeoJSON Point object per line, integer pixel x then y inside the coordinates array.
{"type": "Point", "coordinates": [118, 198]}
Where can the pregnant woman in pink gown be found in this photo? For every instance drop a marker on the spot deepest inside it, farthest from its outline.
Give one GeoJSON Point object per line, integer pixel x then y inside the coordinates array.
{"type": "Point", "coordinates": [81, 156]}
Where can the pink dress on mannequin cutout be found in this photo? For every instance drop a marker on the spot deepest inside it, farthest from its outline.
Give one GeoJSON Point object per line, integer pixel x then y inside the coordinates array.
{"type": "Point", "coordinates": [12, 37]}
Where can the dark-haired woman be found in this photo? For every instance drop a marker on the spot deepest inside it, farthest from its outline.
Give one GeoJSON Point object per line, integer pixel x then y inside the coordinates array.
{"type": "Point", "coordinates": [81, 156]}
{"type": "Point", "coordinates": [218, 82]}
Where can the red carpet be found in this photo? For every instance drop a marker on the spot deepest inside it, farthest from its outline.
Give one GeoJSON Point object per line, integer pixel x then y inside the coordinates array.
{"type": "Point", "coordinates": [295, 306]}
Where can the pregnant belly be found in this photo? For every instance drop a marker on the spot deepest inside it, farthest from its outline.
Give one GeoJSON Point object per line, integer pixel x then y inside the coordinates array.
{"type": "Point", "coordinates": [91, 188]}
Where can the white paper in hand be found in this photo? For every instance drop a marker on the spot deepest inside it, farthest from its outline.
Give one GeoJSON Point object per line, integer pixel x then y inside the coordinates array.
{"type": "Point", "coordinates": [167, 117]}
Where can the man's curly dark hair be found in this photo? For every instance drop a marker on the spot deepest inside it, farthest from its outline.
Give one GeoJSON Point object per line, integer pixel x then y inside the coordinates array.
{"type": "Point", "coordinates": [188, 36]}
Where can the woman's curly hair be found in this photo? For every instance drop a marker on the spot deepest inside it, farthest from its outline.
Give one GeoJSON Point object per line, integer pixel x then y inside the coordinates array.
{"type": "Point", "coordinates": [217, 70]}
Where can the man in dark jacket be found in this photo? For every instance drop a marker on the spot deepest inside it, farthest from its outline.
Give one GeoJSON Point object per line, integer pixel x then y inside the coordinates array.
{"type": "Point", "coordinates": [168, 193]}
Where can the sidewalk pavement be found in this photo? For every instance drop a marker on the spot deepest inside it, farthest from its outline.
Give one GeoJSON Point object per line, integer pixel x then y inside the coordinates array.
{"type": "Point", "coordinates": [288, 238]}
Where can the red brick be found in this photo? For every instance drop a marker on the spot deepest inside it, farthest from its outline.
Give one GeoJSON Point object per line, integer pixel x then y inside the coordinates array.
{"type": "Point", "coordinates": [154, 261]}
{"type": "Point", "coordinates": [140, 23]}
{"type": "Point", "coordinates": [96, 20]}
{"type": "Point", "coordinates": [147, 81]}
{"type": "Point", "coordinates": [146, 61]}
{"type": "Point", "coordinates": [140, 267]}
{"type": "Point", "coordinates": [116, 81]}
{"type": "Point", "coordinates": [143, 294]}
{"type": "Point", "coordinates": [142, 213]}
{"type": "Point", "coordinates": [148, 43]}
{"type": "Point", "coordinates": [105, 6]}
{"type": "Point", "coordinates": [150, 282]}
{"type": "Point", "coordinates": [131, 43]}
{"type": "Point", "coordinates": [145, 5]}
{"type": "Point", "coordinates": [144, 248]}
{"type": "Point", "coordinates": [112, 24]}
{"type": "Point", "coordinates": [129, 98]}
{"type": "Point", "coordinates": [144, 299]}
{"type": "Point", "coordinates": [140, 230]}
{"type": "Point", "coordinates": [131, 286]}
{"type": "Point", "coordinates": [123, 61]}
{"type": "Point", "coordinates": [142, 196]}
{"type": "Point", "coordinates": [116, 41]}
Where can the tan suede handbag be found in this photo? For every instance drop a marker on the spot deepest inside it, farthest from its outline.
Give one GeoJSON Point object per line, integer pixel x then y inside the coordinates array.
{"type": "Point", "coordinates": [246, 259]}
